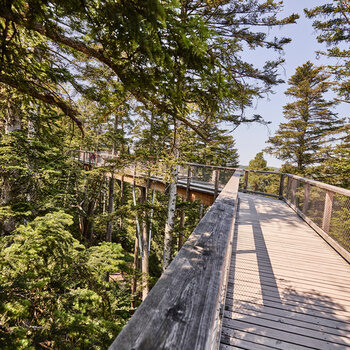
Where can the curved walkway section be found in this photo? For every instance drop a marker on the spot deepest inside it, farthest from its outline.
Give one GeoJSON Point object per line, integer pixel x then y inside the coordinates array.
{"type": "Point", "coordinates": [288, 289]}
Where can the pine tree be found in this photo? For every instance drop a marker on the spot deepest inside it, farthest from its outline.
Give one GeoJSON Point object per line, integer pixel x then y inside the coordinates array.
{"type": "Point", "coordinates": [260, 182]}
{"type": "Point", "coordinates": [311, 123]}
{"type": "Point", "coordinates": [332, 22]}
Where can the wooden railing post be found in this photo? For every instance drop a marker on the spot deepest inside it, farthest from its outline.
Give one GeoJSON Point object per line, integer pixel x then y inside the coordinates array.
{"type": "Point", "coordinates": [280, 194]}
{"type": "Point", "coordinates": [306, 197]}
{"type": "Point", "coordinates": [216, 189]}
{"type": "Point", "coordinates": [327, 213]}
{"type": "Point", "coordinates": [246, 174]}
{"type": "Point", "coordinates": [294, 189]}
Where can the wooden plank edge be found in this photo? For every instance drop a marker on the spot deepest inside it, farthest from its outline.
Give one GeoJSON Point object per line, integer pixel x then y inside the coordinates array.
{"type": "Point", "coordinates": [211, 339]}
{"type": "Point", "coordinates": [325, 236]}
{"type": "Point", "coordinates": [224, 283]}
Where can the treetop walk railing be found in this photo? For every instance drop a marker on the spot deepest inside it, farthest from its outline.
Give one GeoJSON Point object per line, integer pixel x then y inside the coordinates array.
{"type": "Point", "coordinates": [324, 207]}
{"type": "Point", "coordinates": [185, 307]}
{"type": "Point", "coordinates": [204, 178]}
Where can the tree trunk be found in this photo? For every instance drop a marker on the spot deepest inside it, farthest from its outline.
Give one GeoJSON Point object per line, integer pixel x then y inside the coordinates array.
{"type": "Point", "coordinates": [182, 226]}
{"type": "Point", "coordinates": [121, 200]}
{"type": "Point", "coordinates": [111, 188]}
{"type": "Point", "coordinates": [182, 218]}
{"type": "Point", "coordinates": [169, 225]}
{"type": "Point", "coordinates": [12, 123]}
{"type": "Point", "coordinates": [134, 278]}
{"type": "Point", "coordinates": [145, 257]}
{"type": "Point", "coordinates": [110, 208]}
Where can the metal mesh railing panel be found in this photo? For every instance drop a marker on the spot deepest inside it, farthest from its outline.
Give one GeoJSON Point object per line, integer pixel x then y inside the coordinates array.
{"type": "Point", "coordinates": [265, 183]}
{"type": "Point", "coordinates": [340, 220]}
{"type": "Point", "coordinates": [315, 205]}
{"type": "Point", "coordinates": [225, 176]}
{"type": "Point", "coordinates": [202, 174]}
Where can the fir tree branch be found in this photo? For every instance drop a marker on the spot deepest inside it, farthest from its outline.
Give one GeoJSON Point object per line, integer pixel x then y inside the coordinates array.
{"type": "Point", "coordinates": [49, 98]}
{"type": "Point", "coordinates": [100, 55]}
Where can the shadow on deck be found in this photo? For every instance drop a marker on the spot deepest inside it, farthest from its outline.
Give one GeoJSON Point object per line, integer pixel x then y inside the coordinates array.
{"type": "Point", "coordinates": [287, 288]}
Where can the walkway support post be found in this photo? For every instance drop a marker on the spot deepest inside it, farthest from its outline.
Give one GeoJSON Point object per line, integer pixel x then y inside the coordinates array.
{"type": "Point", "coordinates": [216, 185]}
{"type": "Point", "coordinates": [281, 189]}
{"type": "Point", "coordinates": [327, 213]}
{"type": "Point", "coordinates": [246, 174]}
{"type": "Point", "coordinates": [306, 197]}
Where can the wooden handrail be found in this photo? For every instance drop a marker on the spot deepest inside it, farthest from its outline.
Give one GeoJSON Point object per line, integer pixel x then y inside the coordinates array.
{"type": "Point", "coordinates": [185, 308]}
{"type": "Point", "coordinates": [322, 185]}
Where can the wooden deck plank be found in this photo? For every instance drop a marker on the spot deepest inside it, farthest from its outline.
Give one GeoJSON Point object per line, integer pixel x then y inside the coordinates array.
{"type": "Point", "coordinates": [288, 289]}
{"type": "Point", "coordinates": [294, 318]}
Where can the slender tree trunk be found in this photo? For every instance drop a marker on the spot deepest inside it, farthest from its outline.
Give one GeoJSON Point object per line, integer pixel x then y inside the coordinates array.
{"type": "Point", "coordinates": [12, 123]}
{"type": "Point", "coordinates": [121, 200]}
{"type": "Point", "coordinates": [182, 226]}
{"type": "Point", "coordinates": [182, 218]}
{"type": "Point", "coordinates": [169, 225]}
{"type": "Point", "coordinates": [111, 189]}
{"type": "Point", "coordinates": [201, 211]}
{"type": "Point", "coordinates": [145, 257]}
{"type": "Point", "coordinates": [134, 278]}
{"type": "Point", "coordinates": [110, 207]}
{"type": "Point", "coordinates": [104, 198]}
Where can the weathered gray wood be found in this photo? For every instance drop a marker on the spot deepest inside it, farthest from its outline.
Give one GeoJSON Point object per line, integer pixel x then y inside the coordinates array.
{"type": "Point", "coordinates": [294, 189]}
{"type": "Point", "coordinates": [261, 193]}
{"type": "Point", "coordinates": [319, 184]}
{"type": "Point", "coordinates": [306, 197]}
{"type": "Point", "coordinates": [246, 174]}
{"type": "Point", "coordinates": [327, 213]}
{"type": "Point", "coordinates": [281, 188]}
{"type": "Point", "coordinates": [287, 289]}
{"type": "Point", "coordinates": [333, 243]}
{"type": "Point", "coordinates": [216, 183]}
{"type": "Point", "coordinates": [213, 167]}
{"type": "Point", "coordinates": [184, 309]}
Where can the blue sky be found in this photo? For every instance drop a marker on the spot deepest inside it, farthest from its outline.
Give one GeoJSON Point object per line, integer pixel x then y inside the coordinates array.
{"type": "Point", "coordinates": [251, 139]}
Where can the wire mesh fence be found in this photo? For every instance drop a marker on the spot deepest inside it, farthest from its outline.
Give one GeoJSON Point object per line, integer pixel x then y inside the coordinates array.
{"type": "Point", "coordinates": [326, 207]}
{"type": "Point", "coordinates": [264, 182]}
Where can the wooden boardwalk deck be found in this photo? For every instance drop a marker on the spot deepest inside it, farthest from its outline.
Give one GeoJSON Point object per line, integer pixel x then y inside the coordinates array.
{"type": "Point", "coordinates": [287, 288]}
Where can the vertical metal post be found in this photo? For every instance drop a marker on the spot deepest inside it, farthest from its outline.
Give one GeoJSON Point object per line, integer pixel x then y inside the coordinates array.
{"type": "Point", "coordinates": [246, 173]}
{"type": "Point", "coordinates": [306, 198]}
{"type": "Point", "coordinates": [294, 189]}
{"type": "Point", "coordinates": [327, 213]}
{"type": "Point", "coordinates": [280, 194]}
{"type": "Point", "coordinates": [216, 189]}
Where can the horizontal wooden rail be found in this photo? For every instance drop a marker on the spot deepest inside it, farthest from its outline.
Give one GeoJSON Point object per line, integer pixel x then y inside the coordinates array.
{"type": "Point", "coordinates": [212, 166]}
{"type": "Point", "coordinates": [322, 185]}
{"type": "Point", "coordinates": [185, 308]}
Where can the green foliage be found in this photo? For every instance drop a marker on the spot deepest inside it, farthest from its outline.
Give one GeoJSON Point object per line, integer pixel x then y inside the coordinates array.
{"type": "Point", "coordinates": [52, 294]}
{"type": "Point", "coordinates": [332, 23]}
{"type": "Point", "coordinates": [266, 183]}
{"type": "Point", "coordinates": [311, 124]}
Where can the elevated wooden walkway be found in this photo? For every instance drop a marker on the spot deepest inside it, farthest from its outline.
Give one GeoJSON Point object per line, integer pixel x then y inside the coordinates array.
{"type": "Point", "coordinates": [288, 289]}
{"type": "Point", "coordinates": [254, 275]}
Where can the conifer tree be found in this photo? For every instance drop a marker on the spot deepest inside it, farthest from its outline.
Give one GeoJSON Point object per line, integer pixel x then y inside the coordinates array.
{"type": "Point", "coordinates": [310, 124]}
{"type": "Point", "coordinates": [332, 23]}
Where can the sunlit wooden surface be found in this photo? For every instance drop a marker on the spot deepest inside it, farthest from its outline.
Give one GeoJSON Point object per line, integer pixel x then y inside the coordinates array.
{"type": "Point", "coordinates": [288, 289]}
